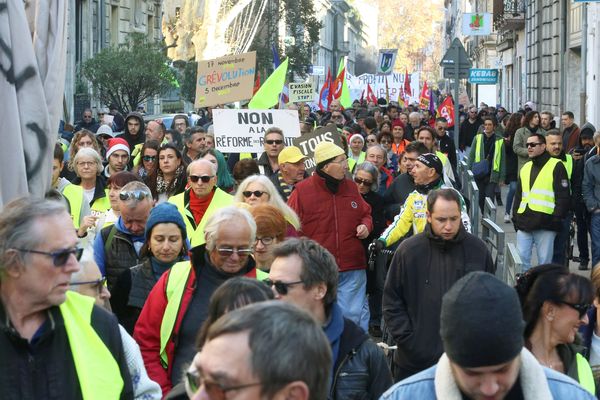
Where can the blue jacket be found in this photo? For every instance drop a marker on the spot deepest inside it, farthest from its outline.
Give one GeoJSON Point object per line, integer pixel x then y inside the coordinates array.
{"type": "Point", "coordinates": [99, 253]}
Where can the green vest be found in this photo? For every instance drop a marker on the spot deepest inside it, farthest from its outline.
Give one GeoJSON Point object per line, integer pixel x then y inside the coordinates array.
{"type": "Point", "coordinates": [196, 233]}
{"type": "Point", "coordinates": [540, 196]}
{"type": "Point", "coordinates": [443, 158]}
{"type": "Point", "coordinates": [245, 155]}
{"type": "Point", "coordinates": [584, 373]}
{"type": "Point", "coordinates": [568, 165]}
{"type": "Point", "coordinates": [101, 204]}
{"type": "Point", "coordinates": [136, 153]}
{"type": "Point", "coordinates": [74, 194]}
{"type": "Point", "coordinates": [497, 151]}
{"type": "Point", "coordinates": [97, 370]}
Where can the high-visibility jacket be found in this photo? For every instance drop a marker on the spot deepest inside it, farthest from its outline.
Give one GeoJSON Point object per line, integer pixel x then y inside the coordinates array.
{"type": "Point", "coordinates": [97, 369]}
{"type": "Point", "coordinates": [101, 204]}
{"type": "Point", "coordinates": [540, 196]}
{"type": "Point", "coordinates": [568, 164]}
{"type": "Point", "coordinates": [74, 194]}
{"type": "Point", "coordinates": [196, 232]}
{"type": "Point", "coordinates": [497, 159]}
{"type": "Point", "coordinates": [584, 374]}
{"type": "Point", "coordinates": [352, 163]}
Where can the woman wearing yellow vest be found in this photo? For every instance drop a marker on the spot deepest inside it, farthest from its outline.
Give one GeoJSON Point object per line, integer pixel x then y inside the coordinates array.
{"type": "Point", "coordinates": [555, 303]}
{"type": "Point", "coordinates": [270, 229]}
{"type": "Point", "coordinates": [113, 187]}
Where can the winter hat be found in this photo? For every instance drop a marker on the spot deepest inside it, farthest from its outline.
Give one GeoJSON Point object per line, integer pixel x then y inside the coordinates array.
{"type": "Point", "coordinates": [481, 323]}
{"type": "Point", "coordinates": [105, 130]}
{"type": "Point", "coordinates": [397, 122]}
{"type": "Point", "coordinates": [327, 151]}
{"type": "Point", "coordinates": [530, 105]}
{"type": "Point", "coordinates": [165, 213]}
{"type": "Point", "coordinates": [290, 154]}
{"type": "Point", "coordinates": [432, 161]}
{"type": "Point", "coordinates": [356, 136]}
{"type": "Point", "coordinates": [116, 144]}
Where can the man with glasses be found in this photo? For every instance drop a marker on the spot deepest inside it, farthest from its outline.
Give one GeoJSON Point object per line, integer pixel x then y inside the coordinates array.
{"type": "Point", "coordinates": [87, 122]}
{"type": "Point", "coordinates": [117, 247]}
{"type": "Point", "coordinates": [274, 142]}
{"type": "Point", "coordinates": [377, 155]}
{"type": "Point", "coordinates": [542, 199]}
{"type": "Point", "coordinates": [305, 274]}
{"type": "Point", "coordinates": [445, 143]}
{"type": "Point", "coordinates": [202, 198]}
{"type": "Point", "coordinates": [333, 213]}
{"type": "Point", "coordinates": [291, 170]}
{"type": "Point", "coordinates": [178, 304]}
{"type": "Point", "coordinates": [53, 342]}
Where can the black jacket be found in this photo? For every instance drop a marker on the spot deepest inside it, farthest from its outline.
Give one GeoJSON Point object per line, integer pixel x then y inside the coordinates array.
{"type": "Point", "coordinates": [396, 194]}
{"type": "Point", "coordinates": [531, 220]}
{"type": "Point", "coordinates": [44, 368]}
{"type": "Point", "coordinates": [446, 146]}
{"type": "Point", "coordinates": [133, 140]}
{"type": "Point", "coordinates": [422, 270]}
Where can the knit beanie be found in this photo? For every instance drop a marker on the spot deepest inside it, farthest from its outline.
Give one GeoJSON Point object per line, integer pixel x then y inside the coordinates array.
{"type": "Point", "coordinates": [356, 136]}
{"type": "Point", "coordinates": [481, 321]}
{"type": "Point", "coordinates": [430, 160]}
{"type": "Point", "coordinates": [165, 213]}
{"type": "Point", "coordinates": [397, 122]}
{"type": "Point", "coordinates": [117, 144]}
{"type": "Point", "coordinates": [325, 151]}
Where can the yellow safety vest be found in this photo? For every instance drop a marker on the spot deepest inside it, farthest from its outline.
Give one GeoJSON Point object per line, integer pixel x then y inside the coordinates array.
{"type": "Point", "coordinates": [136, 153]}
{"type": "Point", "coordinates": [584, 373]}
{"type": "Point", "coordinates": [352, 163]}
{"type": "Point", "coordinates": [443, 158]}
{"type": "Point", "coordinates": [540, 196]}
{"type": "Point", "coordinates": [497, 152]}
{"type": "Point", "coordinates": [568, 165]}
{"type": "Point", "coordinates": [196, 233]}
{"type": "Point", "coordinates": [102, 204]}
{"type": "Point", "coordinates": [245, 155]}
{"type": "Point", "coordinates": [74, 194]}
{"type": "Point", "coordinates": [97, 370]}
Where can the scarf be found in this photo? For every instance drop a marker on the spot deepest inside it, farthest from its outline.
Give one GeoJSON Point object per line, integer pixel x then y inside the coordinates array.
{"type": "Point", "coordinates": [424, 189]}
{"type": "Point", "coordinates": [332, 184]}
{"type": "Point", "coordinates": [162, 186]}
{"type": "Point", "coordinates": [199, 206]}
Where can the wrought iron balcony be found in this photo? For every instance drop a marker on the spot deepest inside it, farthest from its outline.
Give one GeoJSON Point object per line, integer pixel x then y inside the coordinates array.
{"type": "Point", "coordinates": [509, 14]}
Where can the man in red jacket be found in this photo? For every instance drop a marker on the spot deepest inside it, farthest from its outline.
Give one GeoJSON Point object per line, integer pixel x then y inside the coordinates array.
{"type": "Point", "coordinates": [334, 214]}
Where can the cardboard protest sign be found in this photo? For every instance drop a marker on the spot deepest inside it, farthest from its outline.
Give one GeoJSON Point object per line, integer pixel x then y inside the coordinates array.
{"type": "Point", "coordinates": [225, 79]}
{"type": "Point", "coordinates": [307, 143]}
{"type": "Point", "coordinates": [301, 92]}
{"type": "Point", "coordinates": [242, 131]}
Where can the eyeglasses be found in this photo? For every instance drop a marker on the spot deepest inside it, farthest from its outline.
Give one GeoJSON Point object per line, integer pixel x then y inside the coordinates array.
{"type": "Point", "coordinates": [385, 142]}
{"type": "Point", "coordinates": [281, 287]}
{"type": "Point", "coordinates": [86, 163]}
{"type": "Point", "coordinates": [343, 161]}
{"type": "Point", "coordinates": [273, 141]}
{"type": "Point", "coordinates": [228, 251]}
{"type": "Point", "coordinates": [580, 308]}
{"type": "Point", "coordinates": [215, 391]}
{"type": "Point", "coordinates": [134, 195]}
{"type": "Point", "coordinates": [363, 182]}
{"type": "Point", "coordinates": [203, 178]}
{"type": "Point", "coordinates": [533, 144]}
{"type": "Point", "coordinates": [256, 193]}
{"type": "Point", "coordinates": [98, 284]}
{"type": "Point", "coordinates": [372, 140]}
{"type": "Point", "coordinates": [265, 240]}
{"type": "Point", "coordinates": [149, 158]}
{"type": "Point", "coordinates": [59, 257]}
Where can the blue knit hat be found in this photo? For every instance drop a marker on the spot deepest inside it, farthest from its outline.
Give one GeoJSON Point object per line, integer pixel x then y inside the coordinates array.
{"type": "Point", "coordinates": [165, 213]}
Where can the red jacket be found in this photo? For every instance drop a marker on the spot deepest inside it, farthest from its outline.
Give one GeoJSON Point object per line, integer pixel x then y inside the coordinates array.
{"type": "Point", "coordinates": [331, 219]}
{"type": "Point", "coordinates": [147, 328]}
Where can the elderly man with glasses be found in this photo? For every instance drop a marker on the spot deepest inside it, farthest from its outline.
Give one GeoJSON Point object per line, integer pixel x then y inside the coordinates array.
{"type": "Point", "coordinates": [54, 343]}
{"type": "Point", "coordinates": [178, 304]}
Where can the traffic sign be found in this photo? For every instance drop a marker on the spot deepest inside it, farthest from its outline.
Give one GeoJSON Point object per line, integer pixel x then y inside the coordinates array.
{"type": "Point", "coordinates": [456, 54]}
{"type": "Point", "coordinates": [450, 73]}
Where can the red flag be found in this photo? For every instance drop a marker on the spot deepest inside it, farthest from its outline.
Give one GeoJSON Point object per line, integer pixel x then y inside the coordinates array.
{"type": "Point", "coordinates": [424, 98]}
{"type": "Point", "coordinates": [446, 110]}
{"type": "Point", "coordinates": [370, 95]}
{"type": "Point", "coordinates": [407, 89]}
{"type": "Point", "coordinates": [338, 84]}
{"type": "Point", "coordinates": [325, 93]}
{"type": "Point", "coordinates": [401, 98]}
{"type": "Point", "coordinates": [256, 84]}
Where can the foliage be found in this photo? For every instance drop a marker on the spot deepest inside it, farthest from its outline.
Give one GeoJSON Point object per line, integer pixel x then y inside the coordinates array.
{"type": "Point", "coordinates": [187, 79]}
{"type": "Point", "coordinates": [129, 74]}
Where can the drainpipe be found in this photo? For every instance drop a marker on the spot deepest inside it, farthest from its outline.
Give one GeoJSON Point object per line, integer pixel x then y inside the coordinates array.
{"type": "Point", "coordinates": [583, 94]}
{"type": "Point", "coordinates": [563, 54]}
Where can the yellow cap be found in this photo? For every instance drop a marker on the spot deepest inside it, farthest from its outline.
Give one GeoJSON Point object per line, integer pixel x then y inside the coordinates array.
{"type": "Point", "coordinates": [326, 151]}
{"type": "Point", "coordinates": [290, 154]}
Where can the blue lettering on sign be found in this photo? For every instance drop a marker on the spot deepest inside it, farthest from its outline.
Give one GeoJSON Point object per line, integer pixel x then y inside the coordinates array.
{"type": "Point", "coordinates": [483, 76]}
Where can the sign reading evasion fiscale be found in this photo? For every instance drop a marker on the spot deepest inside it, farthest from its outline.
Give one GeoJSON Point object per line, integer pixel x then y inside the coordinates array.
{"type": "Point", "coordinates": [301, 92]}
{"type": "Point", "coordinates": [243, 131]}
{"type": "Point", "coordinates": [225, 79]}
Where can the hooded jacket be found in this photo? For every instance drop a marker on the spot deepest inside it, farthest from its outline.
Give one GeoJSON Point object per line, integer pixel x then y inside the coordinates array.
{"type": "Point", "coordinates": [133, 140]}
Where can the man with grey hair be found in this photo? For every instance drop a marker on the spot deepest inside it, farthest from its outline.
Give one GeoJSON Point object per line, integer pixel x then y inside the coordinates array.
{"type": "Point", "coordinates": [305, 274]}
{"type": "Point", "coordinates": [117, 247]}
{"type": "Point", "coordinates": [248, 347]}
{"type": "Point", "coordinates": [197, 203]}
{"type": "Point", "coordinates": [54, 343]}
{"type": "Point", "coordinates": [178, 304]}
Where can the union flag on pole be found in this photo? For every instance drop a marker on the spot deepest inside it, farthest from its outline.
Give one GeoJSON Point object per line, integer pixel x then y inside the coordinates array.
{"type": "Point", "coordinates": [407, 90]}
{"type": "Point", "coordinates": [424, 98]}
{"type": "Point", "coordinates": [371, 98]}
{"type": "Point", "coordinates": [446, 110]}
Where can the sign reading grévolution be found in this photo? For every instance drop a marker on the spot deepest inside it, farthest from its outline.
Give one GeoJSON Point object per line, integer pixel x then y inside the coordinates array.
{"type": "Point", "coordinates": [225, 79]}
{"type": "Point", "coordinates": [243, 131]}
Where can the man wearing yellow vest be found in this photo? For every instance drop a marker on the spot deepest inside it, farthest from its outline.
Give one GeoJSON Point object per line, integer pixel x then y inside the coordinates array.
{"type": "Point", "coordinates": [542, 200]}
{"type": "Point", "coordinates": [53, 344]}
{"type": "Point", "coordinates": [201, 200]}
{"type": "Point", "coordinates": [178, 304]}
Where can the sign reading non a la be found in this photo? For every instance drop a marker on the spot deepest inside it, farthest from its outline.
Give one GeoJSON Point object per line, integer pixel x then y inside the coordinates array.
{"type": "Point", "coordinates": [243, 131]}
{"type": "Point", "coordinates": [307, 143]}
{"type": "Point", "coordinates": [225, 79]}
{"type": "Point", "coordinates": [301, 92]}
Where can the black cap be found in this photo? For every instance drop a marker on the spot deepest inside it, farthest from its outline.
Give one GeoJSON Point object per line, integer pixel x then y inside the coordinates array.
{"type": "Point", "coordinates": [432, 161]}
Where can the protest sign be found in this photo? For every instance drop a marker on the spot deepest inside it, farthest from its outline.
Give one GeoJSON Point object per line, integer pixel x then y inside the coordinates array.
{"type": "Point", "coordinates": [225, 79]}
{"type": "Point", "coordinates": [307, 143]}
{"type": "Point", "coordinates": [301, 92]}
{"type": "Point", "coordinates": [387, 59]}
{"type": "Point", "coordinates": [242, 131]}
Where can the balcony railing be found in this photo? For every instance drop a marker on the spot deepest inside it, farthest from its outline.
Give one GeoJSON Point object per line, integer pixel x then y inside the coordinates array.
{"type": "Point", "coordinates": [509, 14]}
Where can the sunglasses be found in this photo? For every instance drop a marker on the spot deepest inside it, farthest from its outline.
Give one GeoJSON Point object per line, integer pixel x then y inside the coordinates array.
{"type": "Point", "coordinates": [59, 257]}
{"type": "Point", "coordinates": [203, 178]}
{"type": "Point", "coordinates": [134, 195]}
{"type": "Point", "coordinates": [265, 240]}
{"type": "Point", "coordinates": [256, 193]}
{"type": "Point", "coordinates": [281, 287]}
{"type": "Point", "coordinates": [149, 158]}
{"type": "Point", "coordinates": [228, 251]}
{"type": "Point", "coordinates": [580, 308]}
{"type": "Point", "coordinates": [273, 141]}
{"type": "Point", "coordinates": [532, 144]}
{"type": "Point", "coordinates": [214, 390]}
{"type": "Point", "coordinates": [98, 284]}
{"type": "Point", "coordinates": [371, 140]}
{"type": "Point", "coordinates": [363, 182]}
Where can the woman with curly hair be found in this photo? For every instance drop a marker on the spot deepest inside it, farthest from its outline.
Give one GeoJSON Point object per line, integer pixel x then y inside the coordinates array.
{"type": "Point", "coordinates": [148, 162]}
{"type": "Point", "coordinates": [170, 177]}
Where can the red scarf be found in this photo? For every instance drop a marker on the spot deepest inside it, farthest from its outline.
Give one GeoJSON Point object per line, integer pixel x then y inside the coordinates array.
{"type": "Point", "coordinates": [198, 206]}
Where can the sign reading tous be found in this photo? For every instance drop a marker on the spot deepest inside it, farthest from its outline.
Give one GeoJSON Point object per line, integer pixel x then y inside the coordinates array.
{"type": "Point", "coordinates": [307, 143]}
{"type": "Point", "coordinates": [225, 79]}
{"type": "Point", "coordinates": [243, 131]}
{"type": "Point", "coordinates": [301, 92]}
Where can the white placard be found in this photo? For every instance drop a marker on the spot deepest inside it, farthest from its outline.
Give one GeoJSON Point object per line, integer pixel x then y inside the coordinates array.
{"type": "Point", "coordinates": [301, 92]}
